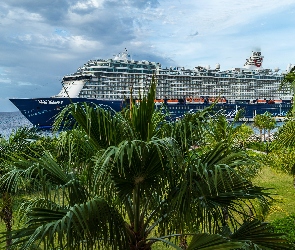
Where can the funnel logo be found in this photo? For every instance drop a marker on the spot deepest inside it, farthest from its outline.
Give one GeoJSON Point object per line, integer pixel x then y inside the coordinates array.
{"type": "Point", "coordinates": [258, 62]}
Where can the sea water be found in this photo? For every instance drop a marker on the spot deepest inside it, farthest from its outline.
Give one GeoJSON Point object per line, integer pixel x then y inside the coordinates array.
{"type": "Point", "coordinates": [11, 121]}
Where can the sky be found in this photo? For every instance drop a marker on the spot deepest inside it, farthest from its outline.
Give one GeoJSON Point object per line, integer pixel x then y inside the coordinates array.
{"type": "Point", "coordinates": [41, 41]}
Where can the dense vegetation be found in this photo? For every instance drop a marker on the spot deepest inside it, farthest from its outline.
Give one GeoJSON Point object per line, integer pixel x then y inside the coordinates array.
{"type": "Point", "coordinates": [132, 179]}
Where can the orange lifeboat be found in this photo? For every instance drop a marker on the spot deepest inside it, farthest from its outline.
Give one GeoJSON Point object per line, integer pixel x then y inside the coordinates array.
{"type": "Point", "coordinates": [211, 100]}
{"type": "Point", "coordinates": [278, 101]}
{"type": "Point", "coordinates": [158, 101]}
{"type": "Point", "coordinates": [172, 101]}
{"type": "Point", "coordinates": [221, 100]}
{"type": "Point", "coordinates": [188, 100]}
{"type": "Point", "coordinates": [261, 101]}
{"type": "Point", "coordinates": [198, 100]}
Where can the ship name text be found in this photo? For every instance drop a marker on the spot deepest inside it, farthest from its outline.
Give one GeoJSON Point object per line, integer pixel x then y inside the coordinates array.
{"type": "Point", "coordinates": [49, 102]}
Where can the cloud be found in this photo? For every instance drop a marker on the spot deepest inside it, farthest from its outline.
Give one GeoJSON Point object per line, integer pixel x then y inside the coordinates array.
{"type": "Point", "coordinates": [56, 37]}
{"type": "Point", "coordinates": [85, 6]}
{"type": "Point", "coordinates": [25, 84]}
{"type": "Point", "coordinates": [195, 34]}
{"type": "Point", "coordinates": [5, 81]}
{"type": "Point", "coordinates": [53, 11]}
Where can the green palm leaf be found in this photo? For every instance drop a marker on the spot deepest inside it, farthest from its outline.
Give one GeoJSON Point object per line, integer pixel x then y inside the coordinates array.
{"type": "Point", "coordinates": [141, 115]}
{"type": "Point", "coordinates": [204, 192]}
{"type": "Point", "coordinates": [91, 224]}
{"type": "Point", "coordinates": [286, 135]}
{"type": "Point", "coordinates": [222, 154]}
{"type": "Point", "coordinates": [103, 126]}
{"type": "Point", "coordinates": [137, 162]}
{"type": "Point", "coordinates": [211, 242]}
{"type": "Point", "coordinates": [46, 174]}
{"type": "Point", "coordinates": [258, 234]}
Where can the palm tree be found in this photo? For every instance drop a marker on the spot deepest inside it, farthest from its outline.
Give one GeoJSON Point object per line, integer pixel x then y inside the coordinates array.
{"type": "Point", "coordinates": [289, 80]}
{"type": "Point", "coordinates": [144, 183]}
{"type": "Point", "coordinates": [244, 132]}
{"type": "Point", "coordinates": [283, 149]}
{"type": "Point", "coordinates": [259, 122]}
{"type": "Point", "coordinates": [270, 123]}
{"type": "Point", "coordinates": [19, 141]}
{"type": "Point", "coordinates": [233, 133]}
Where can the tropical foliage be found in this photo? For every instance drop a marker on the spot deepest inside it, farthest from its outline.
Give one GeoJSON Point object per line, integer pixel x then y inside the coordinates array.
{"type": "Point", "coordinates": [264, 122]}
{"type": "Point", "coordinates": [282, 155]}
{"type": "Point", "coordinates": [127, 180]}
{"type": "Point", "coordinates": [289, 80]}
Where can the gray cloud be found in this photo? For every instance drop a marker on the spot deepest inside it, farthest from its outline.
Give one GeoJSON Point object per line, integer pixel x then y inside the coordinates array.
{"type": "Point", "coordinates": [43, 40]}
{"type": "Point", "coordinates": [140, 4]}
{"type": "Point", "coordinates": [52, 11]}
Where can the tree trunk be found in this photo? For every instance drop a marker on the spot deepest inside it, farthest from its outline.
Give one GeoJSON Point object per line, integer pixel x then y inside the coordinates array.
{"type": "Point", "coordinates": [183, 243]}
{"type": "Point", "coordinates": [6, 214]}
{"type": "Point", "coordinates": [264, 135]}
{"type": "Point", "coordinates": [260, 130]}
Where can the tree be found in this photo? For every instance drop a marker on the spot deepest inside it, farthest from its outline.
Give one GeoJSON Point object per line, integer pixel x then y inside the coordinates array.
{"type": "Point", "coordinates": [233, 133]}
{"type": "Point", "coordinates": [289, 80]}
{"type": "Point", "coordinates": [144, 183]}
{"type": "Point", "coordinates": [24, 141]}
{"type": "Point", "coordinates": [270, 123]}
{"type": "Point", "coordinates": [243, 134]}
{"type": "Point", "coordinates": [264, 121]}
{"type": "Point", "coordinates": [283, 157]}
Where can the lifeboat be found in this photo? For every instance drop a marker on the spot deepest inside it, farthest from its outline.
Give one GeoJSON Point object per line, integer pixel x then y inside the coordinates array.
{"type": "Point", "coordinates": [188, 100]}
{"type": "Point", "coordinates": [221, 100]}
{"type": "Point", "coordinates": [159, 101]}
{"type": "Point", "coordinates": [261, 101]}
{"type": "Point", "coordinates": [278, 101]}
{"type": "Point", "coordinates": [275, 101]}
{"type": "Point", "coordinates": [271, 102]}
{"type": "Point", "coordinates": [172, 101]}
{"type": "Point", "coordinates": [198, 100]}
{"type": "Point", "coordinates": [217, 100]}
{"type": "Point", "coordinates": [211, 100]}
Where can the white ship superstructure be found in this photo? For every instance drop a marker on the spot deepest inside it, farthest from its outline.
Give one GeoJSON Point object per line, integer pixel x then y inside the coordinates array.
{"type": "Point", "coordinates": [116, 78]}
{"type": "Point", "coordinates": [110, 83]}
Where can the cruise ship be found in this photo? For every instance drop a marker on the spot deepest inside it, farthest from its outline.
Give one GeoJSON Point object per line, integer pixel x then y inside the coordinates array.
{"type": "Point", "coordinates": [109, 82]}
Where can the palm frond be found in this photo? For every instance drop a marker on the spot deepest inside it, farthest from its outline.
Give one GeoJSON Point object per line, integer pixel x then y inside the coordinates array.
{"type": "Point", "coordinates": [103, 126]}
{"type": "Point", "coordinates": [286, 135]}
{"type": "Point", "coordinates": [189, 130]}
{"type": "Point", "coordinates": [260, 234]}
{"type": "Point", "coordinates": [221, 153]}
{"type": "Point", "coordinates": [44, 173]}
{"type": "Point", "coordinates": [141, 114]}
{"type": "Point", "coordinates": [211, 242]}
{"type": "Point", "coordinates": [203, 193]}
{"type": "Point", "coordinates": [137, 162]}
{"type": "Point", "coordinates": [91, 224]}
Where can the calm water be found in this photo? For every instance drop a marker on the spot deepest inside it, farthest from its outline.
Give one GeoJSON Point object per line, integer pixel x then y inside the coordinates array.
{"type": "Point", "coordinates": [11, 121]}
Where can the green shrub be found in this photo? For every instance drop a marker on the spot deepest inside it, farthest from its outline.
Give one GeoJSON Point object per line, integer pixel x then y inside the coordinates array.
{"type": "Point", "coordinates": [285, 225]}
{"type": "Point", "coordinates": [255, 145]}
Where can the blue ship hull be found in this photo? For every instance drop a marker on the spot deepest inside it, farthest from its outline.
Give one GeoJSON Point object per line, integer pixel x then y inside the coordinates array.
{"type": "Point", "coordinates": [41, 112]}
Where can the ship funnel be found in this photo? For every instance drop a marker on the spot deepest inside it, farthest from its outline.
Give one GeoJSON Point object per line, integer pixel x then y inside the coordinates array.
{"type": "Point", "coordinates": [255, 61]}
